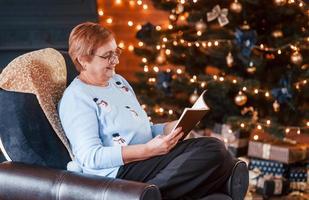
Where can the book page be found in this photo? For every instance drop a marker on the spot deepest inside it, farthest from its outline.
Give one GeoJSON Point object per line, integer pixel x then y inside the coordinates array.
{"type": "Point", "coordinates": [200, 103]}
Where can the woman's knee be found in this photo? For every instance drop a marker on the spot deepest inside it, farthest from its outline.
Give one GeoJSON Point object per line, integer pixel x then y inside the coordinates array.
{"type": "Point", "coordinates": [215, 147]}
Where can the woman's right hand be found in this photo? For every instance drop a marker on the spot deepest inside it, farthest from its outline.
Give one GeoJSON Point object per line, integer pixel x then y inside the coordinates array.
{"type": "Point", "coordinates": [162, 144]}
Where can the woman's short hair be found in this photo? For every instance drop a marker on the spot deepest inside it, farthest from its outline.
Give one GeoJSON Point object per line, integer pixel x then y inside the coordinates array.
{"type": "Point", "coordinates": [85, 39]}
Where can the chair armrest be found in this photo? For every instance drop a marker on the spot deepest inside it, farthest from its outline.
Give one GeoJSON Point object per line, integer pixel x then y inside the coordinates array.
{"type": "Point", "coordinates": [28, 182]}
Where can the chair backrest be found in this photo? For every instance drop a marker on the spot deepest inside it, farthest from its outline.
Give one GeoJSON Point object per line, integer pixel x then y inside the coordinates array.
{"type": "Point", "coordinates": [26, 134]}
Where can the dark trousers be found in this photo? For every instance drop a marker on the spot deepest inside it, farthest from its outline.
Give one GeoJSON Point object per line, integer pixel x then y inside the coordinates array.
{"type": "Point", "coordinates": [191, 170]}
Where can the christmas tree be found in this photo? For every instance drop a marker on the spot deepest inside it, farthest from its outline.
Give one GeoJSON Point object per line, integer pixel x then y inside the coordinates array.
{"type": "Point", "coordinates": [250, 55]}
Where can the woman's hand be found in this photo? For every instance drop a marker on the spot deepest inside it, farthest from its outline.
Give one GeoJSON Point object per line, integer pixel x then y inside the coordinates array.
{"type": "Point", "coordinates": [162, 144]}
{"type": "Point", "coordinates": [169, 127]}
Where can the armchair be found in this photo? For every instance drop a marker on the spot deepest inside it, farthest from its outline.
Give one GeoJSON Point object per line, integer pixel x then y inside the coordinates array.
{"type": "Point", "coordinates": [37, 159]}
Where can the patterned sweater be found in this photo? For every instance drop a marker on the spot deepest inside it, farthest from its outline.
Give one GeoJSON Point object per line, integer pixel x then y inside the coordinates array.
{"type": "Point", "coordinates": [99, 120]}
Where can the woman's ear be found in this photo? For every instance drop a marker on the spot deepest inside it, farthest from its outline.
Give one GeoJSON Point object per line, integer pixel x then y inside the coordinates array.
{"type": "Point", "coordinates": [82, 61]}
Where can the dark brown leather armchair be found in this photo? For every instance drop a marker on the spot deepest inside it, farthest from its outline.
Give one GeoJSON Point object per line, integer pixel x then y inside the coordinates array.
{"type": "Point", "coordinates": [38, 169]}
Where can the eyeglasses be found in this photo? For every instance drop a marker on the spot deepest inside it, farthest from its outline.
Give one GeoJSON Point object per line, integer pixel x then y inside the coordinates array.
{"type": "Point", "coordinates": [111, 55]}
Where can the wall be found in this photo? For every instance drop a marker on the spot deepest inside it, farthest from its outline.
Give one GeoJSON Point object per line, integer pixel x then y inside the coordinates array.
{"type": "Point", "coordinates": [121, 14]}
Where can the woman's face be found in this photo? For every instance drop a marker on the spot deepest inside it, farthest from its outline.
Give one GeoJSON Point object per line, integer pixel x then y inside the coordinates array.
{"type": "Point", "coordinates": [102, 65]}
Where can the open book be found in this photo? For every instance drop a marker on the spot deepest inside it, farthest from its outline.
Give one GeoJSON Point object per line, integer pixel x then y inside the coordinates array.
{"type": "Point", "coordinates": [190, 117]}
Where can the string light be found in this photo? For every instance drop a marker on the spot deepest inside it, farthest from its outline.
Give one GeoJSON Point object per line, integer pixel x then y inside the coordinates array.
{"type": "Point", "coordinates": [256, 91]}
{"type": "Point", "coordinates": [132, 3]}
{"type": "Point", "coordinates": [130, 23]}
{"type": "Point", "coordinates": [287, 130]}
{"type": "Point", "coordinates": [164, 39]}
{"type": "Point", "coordinates": [131, 47]}
{"type": "Point", "coordinates": [199, 33]}
{"type": "Point", "coordinates": [262, 46]}
{"type": "Point", "coordinates": [234, 81]}
{"type": "Point", "coordinates": [307, 124]}
{"type": "Point", "coordinates": [121, 45]}
{"type": "Point", "coordinates": [118, 2]}
{"type": "Point", "coordinates": [144, 106]}
{"type": "Point", "coordinates": [215, 77]}
{"type": "Point", "coordinates": [268, 122]}
{"type": "Point", "coordinates": [209, 44]}
{"type": "Point", "coordinates": [145, 6]}
{"type": "Point", "coordinates": [140, 44]}
{"type": "Point", "coordinates": [298, 131]}
{"type": "Point", "coordinates": [221, 79]}
{"type": "Point", "coordinates": [175, 43]}
{"type": "Point", "coordinates": [170, 26]}
{"type": "Point", "coordinates": [167, 52]}
{"type": "Point", "coordinates": [244, 88]}
{"type": "Point", "coordinates": [146, 68]}
{"type": "Point", "coordinates": [259, 127]}
{"type": "Point", "coordinates": [109, 20]}
{"type": "Point", "coordinates": [255, 137]}
{"type": "Point", "coordinates": [170, 112]}
{"type": "Point", "coordinates": [279, 51]}
{"type": "Point", "coordinates": [100, 12]}
{"type": "Point", "coordinates": [266, 94]}
{"type": "Point", "coordinates": [242, 125]}
{"type": "Point", "coordinates": [152, 80]}
{"type": "Point", "coordinates": [189, 44]}
{"type": "Point", "coordinates": [156, 69]}
{"type": "Point", "coordinates": [144, 60]}
{"type": "Point", "coordinates": [139, 2]}
{"type": "Point", "coordinates": [179, 71]}
{"type": "Point", "coordinates": [138, 27]}
{"type": "Point", "coordinates": [216, 43]}
{"type": "Point", "coordinates": [197, 44]}
{"type": "Point", "coordinates": [158, 28]}
{"type": "Point", "coordinates": [158, 47]}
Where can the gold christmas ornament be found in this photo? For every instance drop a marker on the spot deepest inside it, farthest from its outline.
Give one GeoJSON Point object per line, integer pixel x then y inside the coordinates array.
{"type": "Point", "coordinates": [193, 97]}
{"type": "Point", "coordinates": [180, 8]}
{"type": "Point", "coordinates": [236, 7]}
{"type": "Point", "coordinates": [200, 26]}
{"type": "Point", "coordinates": [229, 60]}
{"type": "Point", "coordinates": [276, 106]}
{"type": "Point", "coordinates": [277, 34]}
{"type": "Point", "coordinates": [240, 99]}
{"type": "Point", "coordinates": [161, 57]}
{"type": "Point", "coordinates": [296, 58]}
{"type": "Point", "coordinates": [251, 69]}
{"type": "Point", "coordinates": [280, 2]}
{"type": "Point", "coordinates": [245, 26]}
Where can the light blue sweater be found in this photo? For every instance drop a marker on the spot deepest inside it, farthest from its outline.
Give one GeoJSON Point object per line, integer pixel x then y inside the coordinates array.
{"type": "Point", "coordinates": [99, 120]}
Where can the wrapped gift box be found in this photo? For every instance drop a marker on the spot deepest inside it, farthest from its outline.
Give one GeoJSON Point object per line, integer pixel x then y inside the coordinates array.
{"type": "Point", "coordinates": [236, 141]}
{"type": "Point", "coordinates": [271, 186]}
{"type": "Point", "coordinates": [277, 151]}
{"type": "Point", "coordinates": [299, 177]}
{"type": "Point", "coordinates": [268, 167]}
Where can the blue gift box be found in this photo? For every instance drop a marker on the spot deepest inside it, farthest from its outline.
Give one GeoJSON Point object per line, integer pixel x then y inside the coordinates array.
{"type": "Point", "coordinates": [270, 167]}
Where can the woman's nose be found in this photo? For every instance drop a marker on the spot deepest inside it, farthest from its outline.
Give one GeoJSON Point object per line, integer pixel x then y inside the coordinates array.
{"type": "Point", "coordinates": [115, 60]}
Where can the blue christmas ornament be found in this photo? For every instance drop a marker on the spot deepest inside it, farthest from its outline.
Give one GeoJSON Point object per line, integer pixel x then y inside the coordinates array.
{"type": "Point", "coordinates": [164, 80]}
{"type": "Point", "coordinates": [147, 32]}
{"type": "Point", "coordinates": [284, 93]}
{"type": "Point", "coordinates": [245, 40]}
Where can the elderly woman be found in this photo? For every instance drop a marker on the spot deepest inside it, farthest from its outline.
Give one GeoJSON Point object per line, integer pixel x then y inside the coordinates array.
{"type": "Point", "coordinates": [110, 133]}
